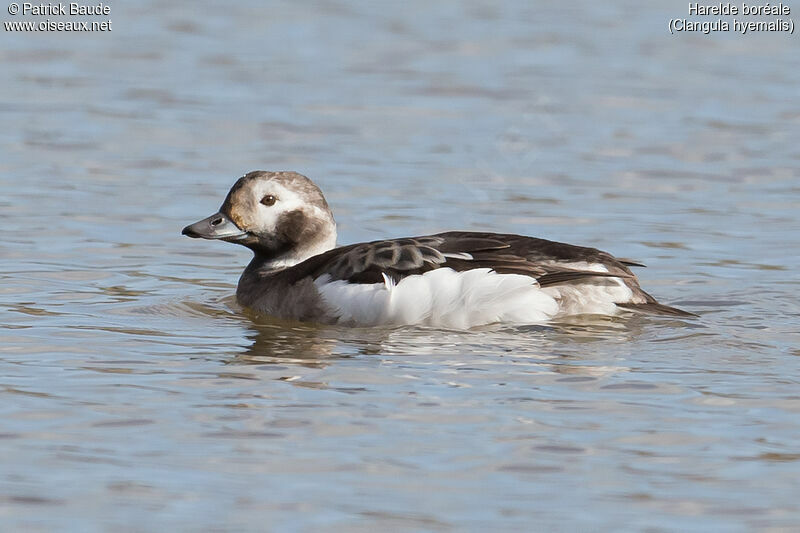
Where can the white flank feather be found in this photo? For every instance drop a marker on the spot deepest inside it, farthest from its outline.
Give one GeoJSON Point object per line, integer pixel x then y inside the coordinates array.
{"type": "Point", "coordinates": [442, 298]}
{"type": "Point", "coordinates": [590, 298]}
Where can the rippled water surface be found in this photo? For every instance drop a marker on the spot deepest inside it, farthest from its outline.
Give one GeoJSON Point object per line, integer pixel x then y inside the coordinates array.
{"type": "Point", "coordinates": [135, 395]}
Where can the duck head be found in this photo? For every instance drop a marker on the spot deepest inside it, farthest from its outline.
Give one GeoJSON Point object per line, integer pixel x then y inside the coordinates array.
{"type": "Point", "coordinates": [282, 216]}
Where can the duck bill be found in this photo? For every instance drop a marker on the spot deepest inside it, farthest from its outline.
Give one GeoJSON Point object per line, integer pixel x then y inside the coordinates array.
{"type": "Point", "coordinates": [217, 226]}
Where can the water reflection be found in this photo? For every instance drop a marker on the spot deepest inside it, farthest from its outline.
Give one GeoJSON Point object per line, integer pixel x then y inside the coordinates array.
{"type": "Point", "coordinates": [274, 341]}
{"type": "Point", "coordinates": [281, 342]}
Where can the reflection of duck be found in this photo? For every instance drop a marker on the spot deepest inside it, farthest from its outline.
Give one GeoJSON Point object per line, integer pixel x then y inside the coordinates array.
{"type": "Point", "coordinates": [316, 346]}
{"type": "Point", "coordinates": [312, 345]}
{"type": "Point", "coordinates": [454, 279]}
{"type": "Point", "coordinates": [274, 341]}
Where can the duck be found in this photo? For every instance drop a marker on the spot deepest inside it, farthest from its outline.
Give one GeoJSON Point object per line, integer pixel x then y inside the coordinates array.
{"type": "Point", "coordinates": [455, 279]}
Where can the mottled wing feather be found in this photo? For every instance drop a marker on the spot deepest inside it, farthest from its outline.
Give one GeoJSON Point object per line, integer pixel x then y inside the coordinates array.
{"type": "Point", "coordinates": [404, 255]}
{"type": "Point", "coordinates": [505, 254]}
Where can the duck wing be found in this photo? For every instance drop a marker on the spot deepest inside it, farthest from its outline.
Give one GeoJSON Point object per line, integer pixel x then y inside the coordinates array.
{"type": "Point", "coordinates": [548, 262]}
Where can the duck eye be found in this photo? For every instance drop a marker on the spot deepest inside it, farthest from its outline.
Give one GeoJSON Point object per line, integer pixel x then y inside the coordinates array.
{"type": "Point", "coordinates": [268, 200]}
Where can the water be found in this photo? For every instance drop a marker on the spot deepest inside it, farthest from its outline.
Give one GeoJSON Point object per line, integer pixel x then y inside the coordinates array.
{"type": "Point", "coordinates": [136, 396]}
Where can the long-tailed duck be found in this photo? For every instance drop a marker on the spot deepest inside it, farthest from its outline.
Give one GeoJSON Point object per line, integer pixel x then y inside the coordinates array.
{"type": "Point", "coordinates": [456, 279]}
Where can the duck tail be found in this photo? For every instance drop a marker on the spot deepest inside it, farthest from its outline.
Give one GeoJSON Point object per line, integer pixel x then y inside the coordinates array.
{"type": "Point", "coordinates": [655, 308]}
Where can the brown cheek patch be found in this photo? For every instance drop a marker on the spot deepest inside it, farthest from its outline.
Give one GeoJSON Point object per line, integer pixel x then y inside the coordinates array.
{"type": "Point", "coordinates": [296, 227]}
